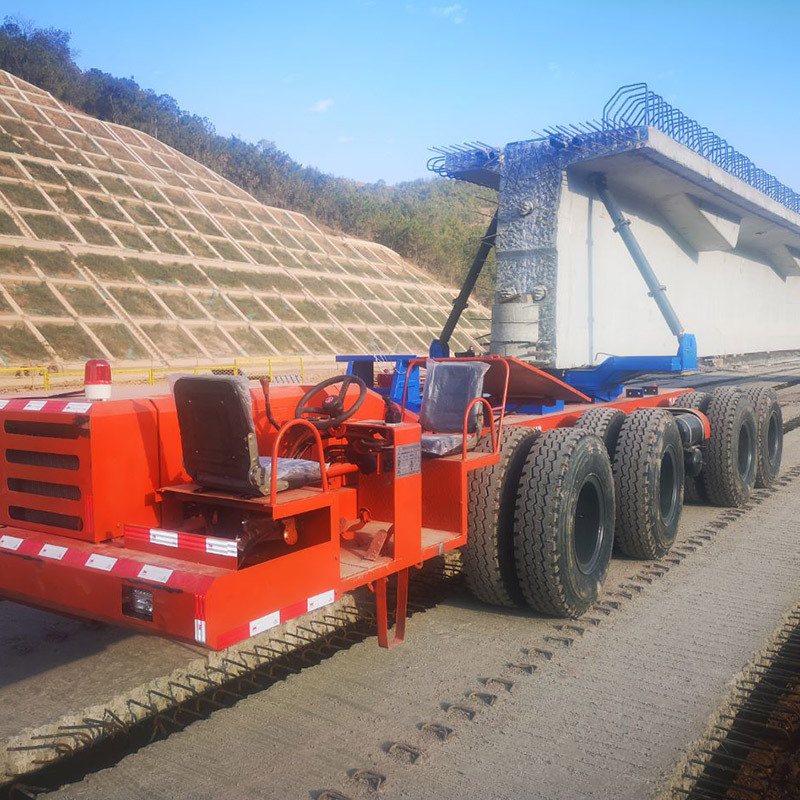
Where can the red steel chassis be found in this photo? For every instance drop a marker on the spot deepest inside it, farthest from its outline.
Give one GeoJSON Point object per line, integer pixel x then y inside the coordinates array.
{"type": "Point", "coordinates": [93, 498]}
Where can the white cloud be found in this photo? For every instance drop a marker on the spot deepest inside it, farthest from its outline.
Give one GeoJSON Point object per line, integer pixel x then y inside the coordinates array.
{"type": "Point", "coordinates": [454, 12]}
{"type": "Point", "coordinates": [321, 106]}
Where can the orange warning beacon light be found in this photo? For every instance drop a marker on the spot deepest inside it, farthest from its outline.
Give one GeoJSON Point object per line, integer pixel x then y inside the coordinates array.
{"type": "Point", "coordinates": [97, 379]}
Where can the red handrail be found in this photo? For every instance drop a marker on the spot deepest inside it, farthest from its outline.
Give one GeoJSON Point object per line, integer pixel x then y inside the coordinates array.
{"type": "Point", "coordinates": [466, 424]}
{"type": "Point", "coordinates": [273, 479]}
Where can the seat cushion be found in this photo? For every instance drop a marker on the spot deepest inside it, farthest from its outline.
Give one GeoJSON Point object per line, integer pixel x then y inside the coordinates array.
{"type": "Point", "coordinates": [445, 444]}
{"type": "Point", "coordinates": [292, 472]}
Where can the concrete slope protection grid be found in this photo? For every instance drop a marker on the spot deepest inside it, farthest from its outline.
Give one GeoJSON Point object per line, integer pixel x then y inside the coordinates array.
{"type": "Point", "coordinates": [463, 663]}
{"type": "Point", "coordinates": [114, 245]}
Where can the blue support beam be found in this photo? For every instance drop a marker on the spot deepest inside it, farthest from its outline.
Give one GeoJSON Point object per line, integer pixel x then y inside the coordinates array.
{"type": "Point", "coordinates": [604, 382]}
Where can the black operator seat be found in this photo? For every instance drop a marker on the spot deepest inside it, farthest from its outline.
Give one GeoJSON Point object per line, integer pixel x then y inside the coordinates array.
{"type": "Point", "coordinates": [450, 386]}
{"type": "Point", "coordinates": [218, 437]}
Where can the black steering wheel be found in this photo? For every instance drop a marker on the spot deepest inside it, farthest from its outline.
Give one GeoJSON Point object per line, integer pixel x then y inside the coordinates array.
{"type": "Point", "coordinates": [332, 412]}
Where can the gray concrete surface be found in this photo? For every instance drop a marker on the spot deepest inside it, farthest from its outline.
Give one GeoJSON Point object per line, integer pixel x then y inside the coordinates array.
{"type": "Point", "coordinates": [607, 716]}
{"type": "Point", "coordinates": [52, 665]}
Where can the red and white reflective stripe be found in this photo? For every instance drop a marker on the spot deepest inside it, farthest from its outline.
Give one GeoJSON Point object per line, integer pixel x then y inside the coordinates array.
{"type": "Point", "coordinates": [119, 566]}
{"type": "Point", "coordinates": [222, 547]}
{"type": "Point", "coordinates": [164, 538]}
{"type": "Point", "coordinates": [179, 539]}
{"type": "Point", "coordinates": [290, 612]}
{"type": "Point", "coordinates": [275, 618]}
{"type": "Point", "coordinates": [43, 404]}
{"type": "Point", "coordinates": [200, 618]}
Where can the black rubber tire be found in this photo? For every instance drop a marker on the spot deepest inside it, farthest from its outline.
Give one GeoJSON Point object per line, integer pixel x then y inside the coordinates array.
{"type": "Point", "coordinates": [693, 489]}
{"type": "Point", "coordinates": [769, 428]}
{"type": "Point", "coordinates": [564, 522]}
{"type": "Point", "coordinates": [730, 455]}
{"type": "Point", "coordinates": [605, 423]}
{"type": "Point", "coordinates": [489, 552]}
{"type": "Point", "coordinates": [648, 478]}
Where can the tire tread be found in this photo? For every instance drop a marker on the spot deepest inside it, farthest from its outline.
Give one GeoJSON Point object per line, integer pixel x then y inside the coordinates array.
{"type": "Point", "coordinates": [490, 576]}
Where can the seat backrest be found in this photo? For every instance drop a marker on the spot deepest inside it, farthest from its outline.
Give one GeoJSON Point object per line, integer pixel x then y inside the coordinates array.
{"type": "Point", "coordinates": [450, 386]}
{"type": "Point", "coordinates": [215, 416]}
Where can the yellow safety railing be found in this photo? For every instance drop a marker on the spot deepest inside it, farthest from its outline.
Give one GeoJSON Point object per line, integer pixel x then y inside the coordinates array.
{"type": "Point", "coordinates": [270, 360]}
{"type": "Point", "coordinates": [30, 375]}
{"type": "Point", "coordinates": [28, 371]}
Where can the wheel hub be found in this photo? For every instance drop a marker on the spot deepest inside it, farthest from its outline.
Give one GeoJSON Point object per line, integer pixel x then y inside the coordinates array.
{"type": "Point", "coordinates": [667, 488]}
{"type": "Point", "coordinates": [589, 524]}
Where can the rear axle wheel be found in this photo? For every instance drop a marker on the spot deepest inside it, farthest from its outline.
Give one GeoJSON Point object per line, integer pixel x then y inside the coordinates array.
{"type": "Point", "coordinates": [769, 430]}
{"type": "Point", "coordinates": [730, 455]}
{"type": "Point", "coordinates": [648, 477]}
{"type": "Point", "coordinates": [564, 522]}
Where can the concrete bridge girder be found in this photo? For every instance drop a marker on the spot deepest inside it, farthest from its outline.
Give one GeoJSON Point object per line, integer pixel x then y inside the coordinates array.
{"type": "Point", "coordinates": [727, 253]}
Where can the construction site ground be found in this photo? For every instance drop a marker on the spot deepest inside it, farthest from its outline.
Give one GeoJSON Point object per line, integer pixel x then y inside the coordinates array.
{"type": "Point", "coordinates": [521, 706]}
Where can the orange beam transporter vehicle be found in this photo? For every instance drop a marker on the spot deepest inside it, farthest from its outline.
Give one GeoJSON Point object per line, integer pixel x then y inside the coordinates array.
{"type": "Point", "coordinates": [220, 508]}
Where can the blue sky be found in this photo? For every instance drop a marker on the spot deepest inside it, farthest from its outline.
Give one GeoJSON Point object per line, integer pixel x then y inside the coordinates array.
{"type": "Point", "coordinates": [363, 88]}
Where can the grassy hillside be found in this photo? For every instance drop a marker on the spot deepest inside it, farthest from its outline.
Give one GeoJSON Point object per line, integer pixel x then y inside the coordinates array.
{"type": "Point", "coordinates": [434, 223]}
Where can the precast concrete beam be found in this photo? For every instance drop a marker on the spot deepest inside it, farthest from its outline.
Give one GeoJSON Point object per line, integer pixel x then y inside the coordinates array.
{"type": "Point", "coordinates": [725, 251]}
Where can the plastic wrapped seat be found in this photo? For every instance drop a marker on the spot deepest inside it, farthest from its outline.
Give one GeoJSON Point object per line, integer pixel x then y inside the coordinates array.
{"type": "Point", "coordinates": [450, 386]}
{"type": "Point", "coordinates": [220, 450]}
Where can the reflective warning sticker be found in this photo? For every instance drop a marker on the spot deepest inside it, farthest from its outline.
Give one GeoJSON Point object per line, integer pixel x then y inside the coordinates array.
{"type": "Point", "coordinates": [76, 408]}
{"type": "Point", "coordinates": [105, 563]}
{"type": "Point", "coordinates": [34, 405]}
{"type": "Point", "coordinates": [320, 600]}
{"type": "Point", "coordinates": [158, 574]}
{"type": "Point", "coordinates": [265, 623]}
{"type": "Point", "coordinates": [53, 551]}
{"type": "Point", "coordinates": [10, 542]}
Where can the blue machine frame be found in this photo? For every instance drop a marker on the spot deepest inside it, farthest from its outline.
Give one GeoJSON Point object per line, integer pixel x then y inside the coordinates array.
{"type": "Point", "coordinates": [604, 382]}
{"type": "Point", "coordinates": [363, 366]}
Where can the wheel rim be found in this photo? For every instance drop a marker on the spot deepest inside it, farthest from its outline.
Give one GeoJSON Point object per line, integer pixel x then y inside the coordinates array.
{"type": "Point", "coordinates": [589, 524]}
{"type": "Point", "coordinates": [745, 454]}
{"type": "Point", "coordinates": [773, 439]}
{"type": "Point", "coordinates": [667, 487]}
